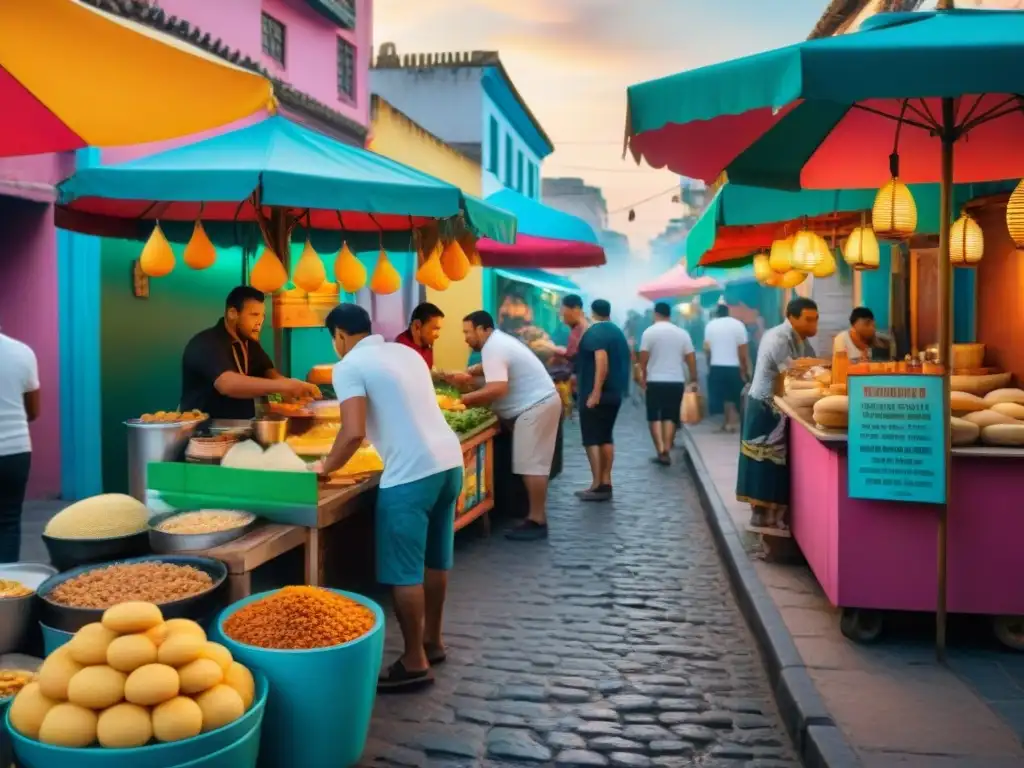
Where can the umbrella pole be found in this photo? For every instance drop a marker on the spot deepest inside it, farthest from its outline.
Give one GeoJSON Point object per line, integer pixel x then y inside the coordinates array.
{"type": "Point", "coordinates": [280, 237]}
{"type": "Point", "coordinates": [948, 138]}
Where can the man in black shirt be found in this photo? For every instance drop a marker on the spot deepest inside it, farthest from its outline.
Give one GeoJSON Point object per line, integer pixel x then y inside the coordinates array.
{"type": "Point", "coordinates": [602, 380]}
{"type": "Point", "coordinates": [224, 368]}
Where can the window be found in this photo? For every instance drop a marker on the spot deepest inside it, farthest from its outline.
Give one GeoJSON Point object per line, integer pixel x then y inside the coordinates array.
{"type": "Point", "coordinates": [494, 148]}
{"type": "Point", "coordinates": [531, 180]}
{"type": "Point", "coordinates": [346, 70]}
{"type": "Point", "coordinates": [519, 171]}
{"type": "Point", "coordinates": [273, 39]}
{"type": "Point", "coordinates": [508, 160]}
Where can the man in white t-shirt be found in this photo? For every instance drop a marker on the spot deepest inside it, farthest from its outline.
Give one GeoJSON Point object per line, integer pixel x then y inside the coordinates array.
{"type": "Point", "coordinates": [387, 396]}
{"type": "Point", "coordinates": [520, 390]}
{"type": "Point", "coordinates": [19, 405]}
{"type": "Point", "coordinates": [726, 344]}
{"type": "Point", "coordinates": [666, 352]}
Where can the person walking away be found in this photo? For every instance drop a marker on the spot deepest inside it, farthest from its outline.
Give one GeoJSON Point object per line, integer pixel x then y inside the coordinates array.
{"type": "Point", "coordinates": [517, 386]}
{"type": "Point", "coordinates": [727, 347]}
{"type": "Point", "coordinates": [387, 396]}
{"type": "Point", "coordinates": [602, 372]}
{"type": "Point", "coordinates": [19, 405]}
{"type": "Point", "coordinates": [763, 477]}
{"type": "Point", "coordinates": [666, 355]}
{"type": "Point", "coordinates": [861, 343]}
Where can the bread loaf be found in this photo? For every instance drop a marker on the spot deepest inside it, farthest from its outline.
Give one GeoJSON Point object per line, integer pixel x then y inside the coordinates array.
{"type": "Point", "coordinates": [794, 385]}
{"type": "Point", "coordinates": [962, 432]}
{"type": "Point", "coordinates": [1013, 410]}
{"type": "Point", "coordinates": [832, 420]}
{"type": "Point", "coordinates": [803, 398]}
{"type": "Point", "coordinates": [832, 412]}
{"type": "Point", "coordinates": [980, 385]}
{"type": "Point", "coordinates": [1003, 434]}
{"type": "Point", "coordinates": [965, 402]}
{"type": "Point", "coordinates": [988, 418]}
{"type": "Point", "coordinates": [1005, 396]}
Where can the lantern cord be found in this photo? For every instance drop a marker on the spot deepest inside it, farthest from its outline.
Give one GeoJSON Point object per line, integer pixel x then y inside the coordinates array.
{"type": "Point", "coordinates": [894, 158]}
{"type": "Point", "coordinates": [379, 228]}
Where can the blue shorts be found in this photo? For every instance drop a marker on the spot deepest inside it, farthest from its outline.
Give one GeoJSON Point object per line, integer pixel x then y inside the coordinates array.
{"type": "Point", "coordinates": [415, 527]}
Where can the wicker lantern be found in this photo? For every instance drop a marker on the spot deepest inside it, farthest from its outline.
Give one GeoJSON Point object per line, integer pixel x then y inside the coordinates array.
{"type": "Point", "coordinates": [1015, 215]}
{"type": "Point", "coordinates": [791, 279]}
{"type": "Point", "coordinates": [762, 270]}
{"type": "Point", "coordinates": [806, 251]}
{"type": "Point", "coordinates": [966, 242]}
{"type": "Point", "coordinates": [894, 213]}
{"type": "Point", "coordinates": [827, 265]}
{"type": "Point", "coordinates": [861, 251]}
{"type": "Point", "coordinates": [781, 255]}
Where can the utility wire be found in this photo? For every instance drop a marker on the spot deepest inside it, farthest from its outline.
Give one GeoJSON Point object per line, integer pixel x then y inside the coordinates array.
{"type": "Point", "coordinates": [673, 188]}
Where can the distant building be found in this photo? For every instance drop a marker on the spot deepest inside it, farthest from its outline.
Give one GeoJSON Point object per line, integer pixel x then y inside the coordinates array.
{"type": "Point", "coordinates": [470, 102]}
{"type": "Point", "coordinates": [572, 195]}
{"type": "Point", "coordinates": [616, 247]}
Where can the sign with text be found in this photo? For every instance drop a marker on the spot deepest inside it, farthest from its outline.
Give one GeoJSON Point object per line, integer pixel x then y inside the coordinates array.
{"type": "Point", "coordinates": [896, 441]}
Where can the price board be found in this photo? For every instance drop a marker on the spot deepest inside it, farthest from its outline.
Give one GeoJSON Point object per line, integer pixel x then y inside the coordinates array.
{"type": "Point", "coordinates": [897, 448]}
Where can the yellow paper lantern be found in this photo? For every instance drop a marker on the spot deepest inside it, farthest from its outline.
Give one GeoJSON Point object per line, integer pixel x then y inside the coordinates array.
{"type": "Point", "coordinates": [309, 274]}
{"type": "Point", "coordinates": [268, 273]}
{"type": "Point", "coordinates": [894, 214]}
{"type": "Point", "coordinates": [1015, 215]}
{"type": "Point", "coordinates": [467, 240]}
{"type": "Point", "coordinates": [780, 258]}
{"type": "Point", "coordinates": [349, 270]}
{"type": "Point", "coordinates": [454, 261]}
{"type": "Point", "coordinates": [385, 278]}
{"type": "Point", "coordinates": [157, 258]}
{"type": "Point", "coordinates": [806, 251]}
{"type": "Point", "coordinates": [791, 279]}
{"type": "Point", "coordinates": [966, 242]}
{"type": "Point", "coordinates": [861, 250]}
{"type": "Point", "coordinates": [762, 269]}
{"type": "Point", "coordinates": [200, 253]}
{"type": "Point", "coordinates": [826, 267]}
{"type": "Point", "coordinates": [431, 273]}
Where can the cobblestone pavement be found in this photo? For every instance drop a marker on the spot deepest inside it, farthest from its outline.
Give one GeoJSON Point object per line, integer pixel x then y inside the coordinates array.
{"type": "Point", "coordinates": [616, 643]}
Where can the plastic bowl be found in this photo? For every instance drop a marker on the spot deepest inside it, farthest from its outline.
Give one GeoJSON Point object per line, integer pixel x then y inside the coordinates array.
{"type": "Point", "coordinates": [34, 754]}
{"type": "Point", "coordinates": [319, 715]}
{"type": "Point", "coordinates": [197, 607]}
{"type": "Point", "coordinates": [53, 638]}
{"type": "Point", "coordinates": [244, 753]}
{"type": "Point", "coordinates": [16, 612]}
{"type": "Point", "coordinates": [70, 553]}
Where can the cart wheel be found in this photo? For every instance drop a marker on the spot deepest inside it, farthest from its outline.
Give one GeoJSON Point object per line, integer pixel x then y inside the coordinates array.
{"type": "Point", "coordinates": [860, 625]}
{"type": "Point", "coordinates": [1009, 630]}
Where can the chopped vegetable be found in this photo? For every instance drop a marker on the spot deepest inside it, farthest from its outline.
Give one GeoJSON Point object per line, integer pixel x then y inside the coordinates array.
{"type": "Point", "coordinates": [465, 421]}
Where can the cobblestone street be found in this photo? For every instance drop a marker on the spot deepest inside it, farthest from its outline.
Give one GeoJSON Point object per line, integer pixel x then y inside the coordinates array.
{"type": "Point", "coordinates": [616, 643]}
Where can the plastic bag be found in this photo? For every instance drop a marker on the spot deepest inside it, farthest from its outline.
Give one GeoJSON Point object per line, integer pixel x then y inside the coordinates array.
{"type": "Point", "coordinates": [691, 411]}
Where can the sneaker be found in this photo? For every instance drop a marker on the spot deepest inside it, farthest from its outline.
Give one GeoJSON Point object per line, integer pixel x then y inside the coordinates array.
{"type": "Point", "coordinates": [601, 493]}
{"type": "Point", "coordinates": [527, 531]}
{"type": "Point", "coordinates": [581, 493]}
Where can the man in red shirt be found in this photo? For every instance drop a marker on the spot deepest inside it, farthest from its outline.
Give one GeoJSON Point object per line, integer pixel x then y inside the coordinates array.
{"type": "Point", "coordinates": [424, 328]}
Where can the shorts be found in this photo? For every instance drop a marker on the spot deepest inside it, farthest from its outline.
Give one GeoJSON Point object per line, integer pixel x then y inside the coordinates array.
{"type": "Point", "coordinates": [664, 400]}
{"type": "Point", "coordinates": [725, 385]}
{"type": "Point", "coordinates": [415, 527]}
{"type": "Point", "coordinates": [534, 436]}
{"type": "Point", "coordinates": [597, 424]}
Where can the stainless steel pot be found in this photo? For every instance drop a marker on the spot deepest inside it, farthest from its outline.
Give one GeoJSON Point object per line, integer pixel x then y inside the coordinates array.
{"type": "Point", "coordinates": [16, 612]}
{"type": "Point", "coordinates": [153, 441]}
{"type": "Point", "coordinates": [270, 429]}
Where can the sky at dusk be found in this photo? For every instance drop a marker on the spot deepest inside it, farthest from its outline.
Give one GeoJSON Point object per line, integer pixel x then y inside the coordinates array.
{"type": "Point", "coordinates": [573, 59]}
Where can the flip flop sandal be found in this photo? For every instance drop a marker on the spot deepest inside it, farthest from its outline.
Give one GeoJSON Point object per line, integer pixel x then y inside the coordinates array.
{"type": "Point", "coordinates": [436, 656]}
{"type": "Point", "coordinates": [397, 679]}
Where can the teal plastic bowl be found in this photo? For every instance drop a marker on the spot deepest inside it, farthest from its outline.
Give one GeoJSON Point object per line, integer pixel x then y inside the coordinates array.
{"type": "Point", "coordinates": [321, 700]}
{"type": "Point", "coordinates": [33, 754]}
{"type": "Point", "coordinates": [53, 638]}
{"type": "Point", "coordinates": [244, 753]}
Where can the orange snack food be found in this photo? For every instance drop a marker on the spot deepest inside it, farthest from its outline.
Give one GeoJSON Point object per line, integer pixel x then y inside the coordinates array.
{"type": "Point", "coordinates": [300, 618]}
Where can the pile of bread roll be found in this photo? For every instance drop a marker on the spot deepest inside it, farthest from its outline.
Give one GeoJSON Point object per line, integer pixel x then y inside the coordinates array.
{"type": "Point", "coordinates": [810, 396]}
{"type": "Point", "coordinates": [995, 419]}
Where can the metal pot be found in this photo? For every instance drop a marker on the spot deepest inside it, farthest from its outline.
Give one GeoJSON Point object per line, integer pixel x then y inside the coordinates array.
{"type": "Point", "coordinates": [153, 441]}
{"type": "Point", "coordinates": [270, 429]}
{"type": "Point", "coordinates": [16, 612]}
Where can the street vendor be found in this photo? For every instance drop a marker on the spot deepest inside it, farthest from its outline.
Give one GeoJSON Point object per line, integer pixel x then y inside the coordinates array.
{"type": "Point", "coordinates": [224, 368]}
{"type": "Point", "coordinates": [763, 477]}
{"type": "Point", "coordinates": [423, 331]}
{"type": "Point", "coordinates": [861, 342]}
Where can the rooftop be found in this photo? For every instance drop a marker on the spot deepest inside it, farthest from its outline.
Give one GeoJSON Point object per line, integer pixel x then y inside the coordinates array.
{"type": "Point", "coordinates": [462, 151]}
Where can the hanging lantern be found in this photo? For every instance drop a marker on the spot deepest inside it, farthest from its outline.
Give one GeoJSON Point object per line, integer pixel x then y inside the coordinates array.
{"type": "Point", "coordinates": [762, 269]}
{"type": "Point", "coordinates": [966, 242]}
{"type": "Point", "coordinates": [806, 251]}
{"type": "Point", "coordinates": [200, 253]}
{"type": "Point", "coordinates": [894, 213]}
{"type": "Point", "coordinates": [791, 279]}
{"type": "Point", "coordinates": [467, 240]}
{"type": "Point", "coordinates": [349, 270]}
{"type": "Point", "coordinates": [157, 258]}
{"type": "Point", "coordinates": [780, 258]}
{"type": "Point", "coordinates": [1015, 215]}
{"type": "Point", "coordinates": [431, 273]}
{"type": "Point", "coordinates": [309, 274]}
{"type": "Point", "coordinates": [454, 261]}
{"type": "Point", "coordinates": [861, 250]}
{"type": "Point", "coordinates": [827, 265]}
{"type": "Point", "coordinates": [268, 274]}
{"type": "Point", "coordinates": [385, 278]}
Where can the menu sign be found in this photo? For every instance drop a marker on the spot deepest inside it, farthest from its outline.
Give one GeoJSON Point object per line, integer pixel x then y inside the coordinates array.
{"type": "Point", "coordinates": [896, 439]}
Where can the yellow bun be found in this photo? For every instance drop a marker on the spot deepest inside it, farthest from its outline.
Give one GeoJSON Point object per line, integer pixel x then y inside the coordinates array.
{"type": "Point", "coordinates": [831, 420]}
{"type": "Point", "coordinates": [963, 432]}
{"type": "Point", "coordinates": [241, 679]}
{"type": "Point", "coordinates": [177, 719]}
{"type": "Point", "coordinates": [180, 649]}
{"type": "Point", "coordinates": [218, 653]}
{"type": "Point", "coordinates": [151, 685]}
{"type": "Point", "coordinates": [68, 725]}
{"type": "Point", "coordinates": [803, 398]}
{"type": "Point", "coordinates": [221, 705]}
{"type": "Point", "coordinates": [56, 672]}
{"type": "Point", "coordinates": [97, 687]}
{"type": "Point", "coordinates": [1008, 435]}
{"type": "Point", "coordinates": [90, 643]}
{"type": "Point", "coordinates": [200, 675]}
{"type": "Point", "coordinates": [129, 652]}
{"type": "Point", "coordinates": [157, 634]}
{"type": "Point", "coordinates": [988, 418]}
{"type": "Point", "coordinates": [184, 626]}
{"type": "Point", "coordinates": [124, 726]}
{"type": "Point", "coordinates": [832, 404]}
{"type": "Point", "coordinates": [129, 618]}
{"type": "Point", "coordinates": [29, 709]}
